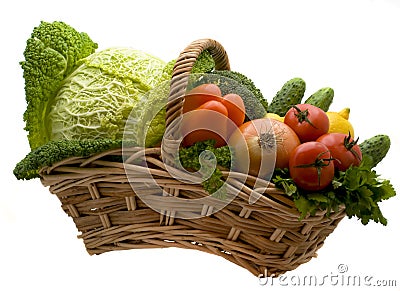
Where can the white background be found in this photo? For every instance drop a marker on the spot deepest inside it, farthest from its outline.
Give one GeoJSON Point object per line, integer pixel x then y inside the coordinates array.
{"type": "Point", "coordinates": [351, 46]}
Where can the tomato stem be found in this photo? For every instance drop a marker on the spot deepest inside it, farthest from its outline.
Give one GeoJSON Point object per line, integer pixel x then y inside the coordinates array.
{"type": "Point", "coordinates": [303, 116]}
{"type": "Point", "coordinates": [348, 144]}
{"type": "Point", "coordinates": [318, 164]}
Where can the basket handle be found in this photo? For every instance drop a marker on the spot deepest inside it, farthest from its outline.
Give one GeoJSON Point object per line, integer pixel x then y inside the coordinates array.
{"type": "Point", "coordinates": [183, 68]}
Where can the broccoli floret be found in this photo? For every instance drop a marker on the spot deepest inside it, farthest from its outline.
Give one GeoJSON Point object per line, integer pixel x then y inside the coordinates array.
{"type": "Point", "coordinates": [234, 82]}
{"type": "Point", "coordinates": [53, 51]}
{"type": "Point", "coordinates": [55, 151]}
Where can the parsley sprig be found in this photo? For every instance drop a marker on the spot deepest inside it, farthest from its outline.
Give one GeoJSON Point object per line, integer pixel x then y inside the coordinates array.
{"type": "Point", "coordinates": [359, 189]}
{"type": "Point", "coordinates": [192, 158]}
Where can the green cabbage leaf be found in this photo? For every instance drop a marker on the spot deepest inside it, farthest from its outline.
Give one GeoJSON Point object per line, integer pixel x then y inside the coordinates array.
{"type": "Point", "coordinates": [96, 100]}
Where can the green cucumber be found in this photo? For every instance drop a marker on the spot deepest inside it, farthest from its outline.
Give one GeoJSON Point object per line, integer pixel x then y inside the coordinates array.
{"type": "Point", "coordinates": [322, 98]}
{"type": "Point", "coordinates": [376, 147]}
{"type": "Point", "coordinates": [291, 94]}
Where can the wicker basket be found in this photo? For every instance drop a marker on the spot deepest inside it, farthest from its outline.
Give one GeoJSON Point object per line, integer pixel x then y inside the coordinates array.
{"type": "Point", "coordinates": [114, 208]}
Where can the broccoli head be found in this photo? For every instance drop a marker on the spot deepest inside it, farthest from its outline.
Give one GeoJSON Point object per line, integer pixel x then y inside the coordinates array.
{"type": "Point", "coordinates": [53, 51]}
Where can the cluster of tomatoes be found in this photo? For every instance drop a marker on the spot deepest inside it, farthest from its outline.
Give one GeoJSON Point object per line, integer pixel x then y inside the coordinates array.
{"type": "Point", "coordinates": [312, 164]}
{"type": "Point", "coordinates": [207, 114]}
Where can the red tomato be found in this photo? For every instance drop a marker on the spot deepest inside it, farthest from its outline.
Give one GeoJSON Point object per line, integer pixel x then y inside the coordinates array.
{"type": "Point", "coordinates": [211, 89]}
{"type": "Point", "coordinates": [311, 166]}
{"type": "Point", "coordinates": [261, 145]}
{"type": "Point", "coordinates": [343, 148]}
{"type": "Point", "coordinates": [235, 105]}
{"type": "Point", "coordinates": [201, 94]}
{"type": "Point", "coordinates": [308, 121]}
{"type": "Point", "coordinates": [200, 125]}
{"type": "Point", "coordinates": [209, 121]}
{"type": "Point", "coordinates": [215, 106]}
{"type": "Point", "coordinates": [195, 100]}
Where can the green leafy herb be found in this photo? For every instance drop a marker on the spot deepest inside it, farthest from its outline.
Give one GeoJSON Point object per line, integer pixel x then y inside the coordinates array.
{"type": "Point", "coordinates": [190, 159]}
{"type": "Point", "coordinates": [359, 189]}
{"type": "Point", "coordinates": [306, 202]}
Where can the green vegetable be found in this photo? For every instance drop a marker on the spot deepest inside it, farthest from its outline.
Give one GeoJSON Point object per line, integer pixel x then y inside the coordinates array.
{"type": "Point", "coordinates": [152, 122]}
{"type": "Point", "coordinates": [189, 158]}
{"type": "Point", "coordinates": [245, 88]}
{"type": "Point", "coordinates": [55, 151]}
{"type": "Point", "coordinates": [235, 82]}
{"type": "Point", "coordinates": [53, 51]}
{"type": "Point", "coordinates": [204, 64]}
{"type": "Point", "coordinates": [322, 98]}
{"type": "Point", "coordinates": [359, 189]}
{"type": "Point", "coordinates": [376, 147]}
{"type": "Point", "coordinates": [96, 100]}
{"type": "Point", "coordinates": [291, 93]}
{"type": "Point", "coordinates": [80, 102]}
{"type": "Point", "coordinates": [76, 93]}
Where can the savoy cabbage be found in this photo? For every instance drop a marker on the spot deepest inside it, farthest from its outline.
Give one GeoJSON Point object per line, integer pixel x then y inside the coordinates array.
{"type": "Point", "coordinates": [98, 97]}
{"type": "Point", "coordinates": [74, 92]}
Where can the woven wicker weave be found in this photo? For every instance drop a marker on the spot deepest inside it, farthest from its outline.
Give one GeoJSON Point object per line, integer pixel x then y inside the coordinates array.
{"type": "Point", "coordinates": [265, 237]}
